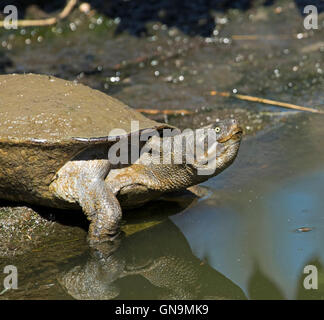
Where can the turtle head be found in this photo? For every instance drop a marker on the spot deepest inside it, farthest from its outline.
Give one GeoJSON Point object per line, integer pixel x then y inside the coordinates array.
{"type": "Point", "coordinates": [177, 161]}
{"type": "Point", "coordinates": [216, 148]}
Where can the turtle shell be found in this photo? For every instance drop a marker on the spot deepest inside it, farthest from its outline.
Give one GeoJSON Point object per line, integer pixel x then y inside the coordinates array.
{"type": "Point", "coordinates": [46, 121]}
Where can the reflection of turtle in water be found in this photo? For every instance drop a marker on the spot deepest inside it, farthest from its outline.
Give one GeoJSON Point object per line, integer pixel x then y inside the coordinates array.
{"type": "Point", "coordinates": [55, 136]}
{"type": "Point", "coordinates": [159, 255]}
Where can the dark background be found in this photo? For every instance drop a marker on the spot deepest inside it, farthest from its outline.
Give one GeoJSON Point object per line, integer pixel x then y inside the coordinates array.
{"type": "Point", "coordinates": [192, 17]}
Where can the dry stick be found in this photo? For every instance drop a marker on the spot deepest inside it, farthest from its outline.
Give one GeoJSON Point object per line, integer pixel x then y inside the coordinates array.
{"type": "Point", "coordinates": [265, 101]}
{"type": "Point", "coordinates": [262, 37]}
{"type": "Point", "coordinates": [49, 21]}
{"type": "Point", "coordinates": [168, 112]}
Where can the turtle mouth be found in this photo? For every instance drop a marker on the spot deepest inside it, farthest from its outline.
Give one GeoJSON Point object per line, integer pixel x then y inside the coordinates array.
{"type": "Point", "coordinates": [231, 139]}
{"type": "Point", "coordinates": [234, 136]}
{"type": "Point", "coordinates": [237, 135]}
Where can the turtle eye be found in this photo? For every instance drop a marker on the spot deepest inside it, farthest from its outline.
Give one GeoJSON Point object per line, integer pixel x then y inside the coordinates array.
{"type": "Point", "coordinates": [217, 129]}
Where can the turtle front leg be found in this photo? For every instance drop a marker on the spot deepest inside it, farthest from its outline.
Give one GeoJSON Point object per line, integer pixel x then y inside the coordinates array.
{"type": "Point", "coordinates": [83, 181]}
{"type": "Point", "coordinates": [102, 210]}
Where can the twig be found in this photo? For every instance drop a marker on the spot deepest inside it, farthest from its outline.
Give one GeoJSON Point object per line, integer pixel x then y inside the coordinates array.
{"type": "Point", "coordinates": [261, 37]}
{"type": "Point", "coordinates": [265, 101]}
{"type": "Point", "coordinates": [67, 9]}
{"type": "Point", "coordinates": [48, 21]}
{"type": "Point", "coordinates": [168, 112]}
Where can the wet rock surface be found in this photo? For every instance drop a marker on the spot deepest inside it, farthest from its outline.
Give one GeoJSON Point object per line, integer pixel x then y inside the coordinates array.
{"type": "Point", "coordinates": [25, 229]}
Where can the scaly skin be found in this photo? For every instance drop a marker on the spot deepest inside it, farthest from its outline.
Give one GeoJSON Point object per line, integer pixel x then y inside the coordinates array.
{"type": "Point", "coordinates": [137, 183]}
{"type": "Point", "coordinates": [83, 182]}
{"type": "Point", "coordinates": [99, 188]}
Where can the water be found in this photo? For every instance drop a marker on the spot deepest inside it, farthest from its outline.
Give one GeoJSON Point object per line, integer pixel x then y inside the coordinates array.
{"type": "Point", "coordinates": [262, 221]}
{"type": "Point", "coordinates": [270, 226]}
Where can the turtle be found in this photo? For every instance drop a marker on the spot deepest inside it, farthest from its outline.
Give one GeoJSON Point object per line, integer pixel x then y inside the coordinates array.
{"type": "Point", "coordinates": [57, 138]}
